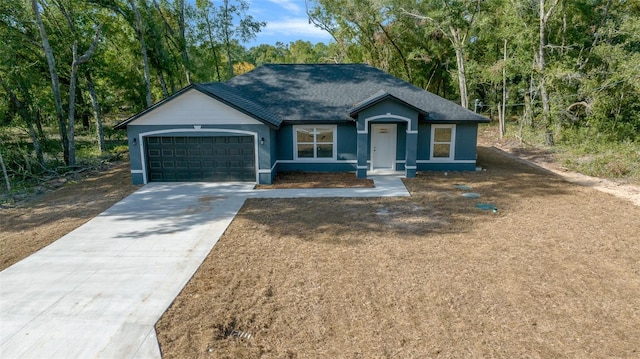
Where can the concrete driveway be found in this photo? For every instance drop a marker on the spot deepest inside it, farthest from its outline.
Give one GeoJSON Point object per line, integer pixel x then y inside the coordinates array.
{"type": "Point", "coordinates": [98, 291]}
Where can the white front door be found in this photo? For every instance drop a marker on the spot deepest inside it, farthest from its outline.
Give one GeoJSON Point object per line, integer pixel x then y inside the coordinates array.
{"type": "Point", "coordinates": [383, 146]}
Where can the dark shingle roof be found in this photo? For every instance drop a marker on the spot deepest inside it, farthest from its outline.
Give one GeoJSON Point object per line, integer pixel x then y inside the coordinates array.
{"type": "Point", "coordinates": [320, 93]}
{"type": "Point", "coordinates": [330, 92]}
{"type": "Point", "coordinates": [231, 97]}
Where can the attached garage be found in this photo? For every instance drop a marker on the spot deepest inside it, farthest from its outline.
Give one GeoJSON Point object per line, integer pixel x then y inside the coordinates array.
{"type": "Point", "coordinates": [200, 159]}
{"type": "Point", "coordinates": [201, 134]}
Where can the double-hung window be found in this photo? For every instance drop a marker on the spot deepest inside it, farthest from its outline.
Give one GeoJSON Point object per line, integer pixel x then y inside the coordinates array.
{"type": "Point", "coordinates": [314, 142]}
{"type": "Point", "coordinates": [443, 142]}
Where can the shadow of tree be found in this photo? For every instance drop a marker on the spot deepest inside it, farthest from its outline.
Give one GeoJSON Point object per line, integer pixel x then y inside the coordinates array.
{"type": "Point", "coordinates": [436, 205]}
{"type": "Point", "coordinates": [176, 207]}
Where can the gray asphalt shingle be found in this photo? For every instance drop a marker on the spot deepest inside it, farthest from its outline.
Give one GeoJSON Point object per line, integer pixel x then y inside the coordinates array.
{"type": "Point", "coordinates": [329, 92]}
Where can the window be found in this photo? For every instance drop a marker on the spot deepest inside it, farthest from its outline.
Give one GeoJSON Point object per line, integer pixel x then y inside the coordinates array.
{"type": "Point", "coordinates": [314, 142]}
{"type": "Point", "coordinates": [443, 142]}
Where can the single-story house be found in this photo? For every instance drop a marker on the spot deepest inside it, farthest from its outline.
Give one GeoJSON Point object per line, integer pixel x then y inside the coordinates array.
{"type": "Point", "coordinates": [320, 118]}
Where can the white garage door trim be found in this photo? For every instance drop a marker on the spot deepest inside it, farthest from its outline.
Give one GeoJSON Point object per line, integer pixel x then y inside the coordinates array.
{"type": "Point", "coordinates": [174, 130]}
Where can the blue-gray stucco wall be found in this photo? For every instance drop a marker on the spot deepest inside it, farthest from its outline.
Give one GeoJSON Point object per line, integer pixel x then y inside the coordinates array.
{"type": "Point", "coordinates": [277, 152]}
{"type": "Point", "coordinates": [465, 144]}
{"type": "Point", "coordinates": [384, 108]}
{"type": "Point", "coordinates": [345, 156]}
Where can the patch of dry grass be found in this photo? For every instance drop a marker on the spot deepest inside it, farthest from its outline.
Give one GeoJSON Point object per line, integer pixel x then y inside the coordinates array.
{"type": "Point", "coordinates": [554, 273]}
{"type": "Point", "coordinates": [318, 180]}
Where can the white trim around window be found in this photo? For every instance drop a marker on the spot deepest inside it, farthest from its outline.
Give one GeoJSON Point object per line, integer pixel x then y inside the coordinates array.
{"type": "Point", "coordinates": [443, 146]}
{"type": "Point", "coordinates": [313, 142]}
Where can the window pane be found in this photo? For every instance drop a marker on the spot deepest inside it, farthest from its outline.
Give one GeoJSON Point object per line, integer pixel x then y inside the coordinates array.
{"type": "Point", "coordinates": [442, 134]}
{"type": "Point", "coordinates": [305, 135]}
{"type": "Point", "coordinates": [324, 134]}
{"type": "Point", "coordinates": [441, 150]}
{"type": "Point", "coordinates": [305, 151]}
{"type": "Point", "coordinates": [325, 151]}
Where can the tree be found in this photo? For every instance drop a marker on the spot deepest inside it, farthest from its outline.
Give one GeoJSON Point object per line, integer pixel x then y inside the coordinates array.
{"type": "Point", "coordinates": [455, 21]}
{"type": "Point", "coordinates": [55, 81]}
{"type": "Point", "coordinates": [138, 27]}
{"type": "Point", "coordinates": [77, 61]}
{"type": "Point", "coordinates": [543, 18]}
{"type": "Point", "coordinates": [4, 173]}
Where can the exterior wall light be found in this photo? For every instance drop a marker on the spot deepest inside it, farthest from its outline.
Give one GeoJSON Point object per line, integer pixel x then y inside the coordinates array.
{"type": "Point", "coordinates": [135, 141]}
{"type": "Point", "coordinates": [262, 140]}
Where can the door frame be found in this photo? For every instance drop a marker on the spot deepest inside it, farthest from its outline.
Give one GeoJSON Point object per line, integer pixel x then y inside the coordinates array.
{"type": "Point", "coordinates": [393, 127]}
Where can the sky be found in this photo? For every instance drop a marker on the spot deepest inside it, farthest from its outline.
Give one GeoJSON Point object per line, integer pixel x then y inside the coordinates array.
{"type": "Point", "coordinates": [287, 21]}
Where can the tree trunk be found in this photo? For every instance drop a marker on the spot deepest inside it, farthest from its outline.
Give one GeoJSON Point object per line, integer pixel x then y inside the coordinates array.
{"type": "Point", "coordinates": [183, 41]}
{"type": "Point", "coordinates": [402, 58]}
{"type": "Point", "coordinates": [38, 121]}
{"type": "Point", "coordinates": [458, 44]}
{"type": "Point", "coordinates": [227, 38]}
{"type": "Point", "coordinates": [72, 107]}
{"type": "Point", "coordinates": [77, 61]}
{"type": "Point", "coordinates": [212, 44]}
{"type": "Point", "coordinates": [55, 82]}
{"type": "Point", "coordinates": [503, 128]}
{"type": "Point", "coordinates": [462, 77]}
{"type": "Point", "coordinates": [96, 113]}
{"type": "Point", "coordinates": [163, 84]}
{"type": "Point", "coordinates": [36, 143]}
{"type": "Point", "coordinates": [544, 18]}
{"type": "Point", "coordinates": [143, 50]}
{"type": "Point", "coordinates": [4, 172]}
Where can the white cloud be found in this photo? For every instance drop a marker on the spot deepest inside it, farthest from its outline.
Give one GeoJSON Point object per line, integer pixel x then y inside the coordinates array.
{"type": "Point", "coordinates": [289, 5]}
{"type": "Point", "coordinates": [293, 27]}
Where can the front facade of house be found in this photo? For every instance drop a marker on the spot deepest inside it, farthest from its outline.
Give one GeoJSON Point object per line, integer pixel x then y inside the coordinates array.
{"type": "Point", "coordinates": [316, 118]}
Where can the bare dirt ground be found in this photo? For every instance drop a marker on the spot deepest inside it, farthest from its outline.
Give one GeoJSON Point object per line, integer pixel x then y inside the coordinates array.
{"type": "Point", "coordinates": [553, 273]}
{"type": "Point", "coordinates": [43, 219]}
{"type": "Point", "coordinates": [317, 180]}
{"type": "Point", "coordinates": [489, 137]}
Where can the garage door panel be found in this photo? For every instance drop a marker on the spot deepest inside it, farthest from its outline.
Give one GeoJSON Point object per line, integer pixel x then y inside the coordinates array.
{"type": "Point", "coordinates": [210, 159]}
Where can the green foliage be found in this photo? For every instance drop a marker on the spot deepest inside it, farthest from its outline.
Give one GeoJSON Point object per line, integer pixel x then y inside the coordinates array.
{"type": "Point", "coordinates": [595, 156]}
{"type": "Point", "coordinates": [592, 55]}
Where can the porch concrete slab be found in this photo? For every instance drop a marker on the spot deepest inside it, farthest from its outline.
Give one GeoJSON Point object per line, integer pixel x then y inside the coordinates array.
{"type": "Point", "coordinates": [385, 186]}
{"type": "Point", "coordinates": [98, 291]}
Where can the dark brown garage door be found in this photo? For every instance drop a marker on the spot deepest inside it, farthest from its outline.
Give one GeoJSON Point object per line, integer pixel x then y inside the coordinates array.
{"type": "Point", "coordinates": [203, 159]}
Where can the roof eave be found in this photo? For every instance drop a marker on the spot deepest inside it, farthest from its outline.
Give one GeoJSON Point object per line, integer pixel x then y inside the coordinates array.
{"type": "Point", "coordinates": [236, 107]}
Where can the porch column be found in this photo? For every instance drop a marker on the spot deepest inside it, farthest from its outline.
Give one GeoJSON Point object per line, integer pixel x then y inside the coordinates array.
{"type": "Point", "coordinates": [363, 152]}
{"type": "Point", "coordinates": [412, 151]}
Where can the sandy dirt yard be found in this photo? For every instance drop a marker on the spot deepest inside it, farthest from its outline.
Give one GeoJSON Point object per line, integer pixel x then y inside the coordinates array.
{"type": "Point", "coordinates": [43, 219]}
{"type": "Point", "coordinates": [553, 272]}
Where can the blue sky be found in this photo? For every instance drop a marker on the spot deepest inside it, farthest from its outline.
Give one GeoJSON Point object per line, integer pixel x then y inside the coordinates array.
{"type": "Point", "coordinates": [287, 21]}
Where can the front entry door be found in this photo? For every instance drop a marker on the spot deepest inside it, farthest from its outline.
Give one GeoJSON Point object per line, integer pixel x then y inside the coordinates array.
{"type": "Point", "coordinates": [383, 146]}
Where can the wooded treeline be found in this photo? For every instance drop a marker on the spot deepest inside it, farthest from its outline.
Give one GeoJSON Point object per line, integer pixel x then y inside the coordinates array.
{"type": "Point", "coordinates": [557, 64]}
{"type": "Point", "coordinates": [569, 69]}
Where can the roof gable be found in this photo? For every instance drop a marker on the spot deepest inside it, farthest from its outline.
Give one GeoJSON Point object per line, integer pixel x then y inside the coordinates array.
{"type": "Point", "coordinates": [377, 98]}
{"type": "Point", "coordinates": [193, 98]}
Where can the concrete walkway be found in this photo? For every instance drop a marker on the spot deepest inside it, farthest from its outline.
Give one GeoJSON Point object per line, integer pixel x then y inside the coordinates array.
{"type": "Point", "coordinates": [98, 291]}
